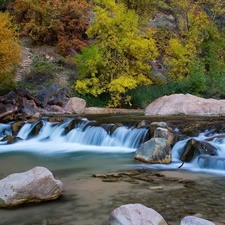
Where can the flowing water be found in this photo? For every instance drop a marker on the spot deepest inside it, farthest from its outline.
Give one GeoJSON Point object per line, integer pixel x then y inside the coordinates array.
{"type": "Point", "coordinates": [79, 147]}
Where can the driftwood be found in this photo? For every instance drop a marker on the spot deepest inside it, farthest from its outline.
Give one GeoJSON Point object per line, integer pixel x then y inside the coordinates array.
{"type": "Point", "coordinates": [194, 148]}
{"type": "Point", "coordinates": [8, 112]}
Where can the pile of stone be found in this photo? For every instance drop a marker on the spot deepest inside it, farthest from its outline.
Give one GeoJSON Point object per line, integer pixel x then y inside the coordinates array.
{"type": "Point", "coordinates": [22, 104]}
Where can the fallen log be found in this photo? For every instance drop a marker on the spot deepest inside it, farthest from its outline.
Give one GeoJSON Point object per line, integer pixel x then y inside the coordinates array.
{"type": "Point", "coordinates": [10, 112]}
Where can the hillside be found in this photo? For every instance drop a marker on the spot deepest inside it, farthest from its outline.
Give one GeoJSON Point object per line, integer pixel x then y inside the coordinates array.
{"type": "Point", "coordinates": [119, 53]}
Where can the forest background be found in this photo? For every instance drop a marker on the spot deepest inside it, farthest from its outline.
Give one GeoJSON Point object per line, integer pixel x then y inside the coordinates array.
{"type": "Point", "coordinates": [116, 53]}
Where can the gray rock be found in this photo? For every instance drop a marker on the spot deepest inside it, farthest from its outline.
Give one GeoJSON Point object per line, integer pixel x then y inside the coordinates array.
{"type": "Point", "coordinates": [156, 150]}
{"type": "Point", "coordinates": [137, 214]}
{"type": "Point", "coordinates": [35, 185]}
{"type": "Point", "coordinates": [192, 220]}
{"type": "Point", "coordinates": [164, 133]}
{"type": "Point", "coordinates": [155, 125]}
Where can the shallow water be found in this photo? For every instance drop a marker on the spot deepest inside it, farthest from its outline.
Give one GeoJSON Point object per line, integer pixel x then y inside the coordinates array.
{"type": "Point", "coordinates": [87, 200]}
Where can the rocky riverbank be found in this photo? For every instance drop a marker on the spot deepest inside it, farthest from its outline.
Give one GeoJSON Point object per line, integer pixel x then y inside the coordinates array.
{"type": "Point", "coordinates": [173, 194]}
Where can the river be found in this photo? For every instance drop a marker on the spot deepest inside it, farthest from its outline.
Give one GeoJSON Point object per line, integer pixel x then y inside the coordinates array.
{"type": "Point", "coordinates": [90, 148]}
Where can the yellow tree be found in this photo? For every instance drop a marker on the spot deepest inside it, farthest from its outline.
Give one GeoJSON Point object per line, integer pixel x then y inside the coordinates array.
{"type": "Point", "coordinates": [194, 25]}
{"type": "Point", "coordinates": [119, 59]}
{"type": "Point", "coordinates": [9, 52]}
{"type": "Point", "coordinates": [144, 8]}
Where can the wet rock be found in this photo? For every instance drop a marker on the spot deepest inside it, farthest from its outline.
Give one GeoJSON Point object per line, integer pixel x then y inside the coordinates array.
{"type": "Point", "coordinates": [100, 175]}
{"type": "Point", "coordinates": [137, 214]}
{"type": "Point", "coordinates": [156, 150]}
{"type": "Point", "coordinates": [194, 148]}
{"type": "Point", "coordinates": [56, 119]}
{"type": "Point", "coordinates": [143, 123]}
{"type": "Point", "coordinates": [11, 139]}
{"type": "Point", "coordinates": [17, 126]}
{"type": "Point", "coordinates": [36, 129]}
{"type": "Point", "coordinates": [164, 133]}
{"type": "Point", "coordinates": [114, 127]}
{"type": "Point", "coordinates": [155, 125]}
{"type": "Point", "coordinates": [192, 220]}
{"type": "Point", "coordinates": [111, 180]}
{"type": "Point", "coordinates": [35, 185]}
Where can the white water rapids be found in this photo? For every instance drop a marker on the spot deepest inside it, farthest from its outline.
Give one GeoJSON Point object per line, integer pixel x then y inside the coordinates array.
{"type": "Point", "coordinates": [54, 140]}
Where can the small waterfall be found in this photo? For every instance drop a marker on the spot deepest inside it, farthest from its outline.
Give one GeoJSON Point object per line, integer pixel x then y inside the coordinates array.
{"type": "Point", "coordinates": [75, 134]}
{"type": "Point", "coordinates": [204, 161]}
{"type": "Point", "coordinates": [211, 162]}
{"type": "Point", "coordinates": [5, 129]}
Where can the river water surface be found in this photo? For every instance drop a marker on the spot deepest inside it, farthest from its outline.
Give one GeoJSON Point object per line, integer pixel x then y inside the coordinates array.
{"type": "Point", "coordinates": [92, 148]}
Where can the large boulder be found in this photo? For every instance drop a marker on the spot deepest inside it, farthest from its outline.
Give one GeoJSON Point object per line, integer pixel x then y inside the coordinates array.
{"type": "Point", "coordinates": [192, 220]}
{"type": "Point", "coordinates": [75, 105]}
{"type": "Point", "coordinates": [137, 214]}
{"type": "Point", "coordinates": [35, 185]}
{"type": "Point", "coordinates": [156, 150]}
{"type": "Point", "coordinates": [185, 104]}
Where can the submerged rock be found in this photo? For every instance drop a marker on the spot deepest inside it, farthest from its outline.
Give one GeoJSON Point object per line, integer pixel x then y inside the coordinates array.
{"type": "Point", "coordinates": [35, 185]}
{"type": "Point", "coordinates": [11, 139]}
{"type": "Point", "coordinates": [192, 220]}
{"type": "Point", "coordinates": [137, 214]}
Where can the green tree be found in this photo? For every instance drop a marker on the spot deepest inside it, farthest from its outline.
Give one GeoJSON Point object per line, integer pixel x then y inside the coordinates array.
{"type": "Point", "coordinates": [9, 53]}
{"type": "Point", "coordinates": [118, 61]}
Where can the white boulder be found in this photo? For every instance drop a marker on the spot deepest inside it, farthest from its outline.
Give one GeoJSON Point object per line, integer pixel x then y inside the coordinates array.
{"type": "Point", "coordinates": [185, 104]}
{"type": "Point", "coordinates": [192, 220]}
{"type": "Point", "coordinates": [137, 214]}
{"type": "Point", "coordinates": [35, 185]}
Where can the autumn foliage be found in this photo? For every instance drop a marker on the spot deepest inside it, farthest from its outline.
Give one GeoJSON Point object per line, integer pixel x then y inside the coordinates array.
{"type": "Point", "coordinates": [54, 22]}
{"type": "Point", "coordinates": [118, 60]}
{"type": "Point", "coordinates": [9, 52]}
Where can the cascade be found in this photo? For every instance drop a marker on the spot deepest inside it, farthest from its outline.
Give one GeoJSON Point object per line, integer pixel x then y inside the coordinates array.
{"type": "Point", "coordinates": [84, 135]}
{"type": "Point", "coordinates": [203, 161]}
{"type": "Point", "coordinates": [74, 133]}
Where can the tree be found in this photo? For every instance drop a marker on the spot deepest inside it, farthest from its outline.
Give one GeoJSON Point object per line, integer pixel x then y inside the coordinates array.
{"type": "Point", "coordinates": [144, 8]}
{"type": "Point", "coordinates": [9, 53]}
{"type": "Point", "coordinates": [119, 59]}
{"type": "Point", "coordinates": [55, 22]}
{"type": "Point", "coordinates": [194, 28]}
